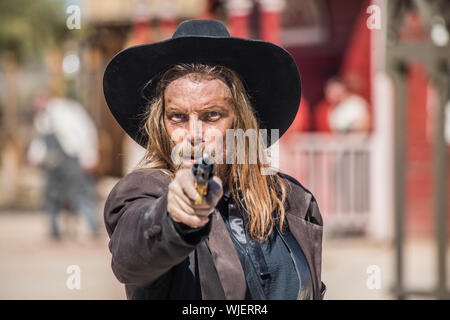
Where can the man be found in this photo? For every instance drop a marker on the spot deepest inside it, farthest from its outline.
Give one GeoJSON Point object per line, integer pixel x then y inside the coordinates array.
{"type": "Point", "coordinates": [65, 146]}
{"type": "Point", "coordinates": [254, 235]}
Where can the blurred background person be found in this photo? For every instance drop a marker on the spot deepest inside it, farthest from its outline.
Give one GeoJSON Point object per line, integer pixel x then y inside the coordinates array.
{"type": "Point", "coordinates": [342, 111]}
{"type": "Point", "coordinates": [65, 146]}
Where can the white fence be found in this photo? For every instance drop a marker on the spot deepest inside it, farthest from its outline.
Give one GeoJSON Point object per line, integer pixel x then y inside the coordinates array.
{"type": "Point", "coordinates": [336, 169]}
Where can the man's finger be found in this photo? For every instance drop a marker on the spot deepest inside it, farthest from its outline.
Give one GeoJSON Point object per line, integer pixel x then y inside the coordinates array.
{"type": "Point", "coordinates": [186, 181]}
{"type": "Point", "coordinates": [193, 221]}
{"type": "Point", "coordinates": [187, 208]}
{"type": "Point", "coordinates": [204, 211]}
{"type": "Point", "coordinates": [178, 191]}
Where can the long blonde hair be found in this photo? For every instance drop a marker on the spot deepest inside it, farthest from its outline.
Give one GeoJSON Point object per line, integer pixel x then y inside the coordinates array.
{"type": "Point", "coordinates": [262, 195]}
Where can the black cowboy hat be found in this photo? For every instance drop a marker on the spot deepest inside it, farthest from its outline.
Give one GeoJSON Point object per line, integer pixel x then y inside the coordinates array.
{"type": "Point", "coordinates": [268, 72]}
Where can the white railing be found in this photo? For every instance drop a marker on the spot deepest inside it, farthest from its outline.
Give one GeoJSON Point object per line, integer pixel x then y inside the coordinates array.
{"type": "Point", "coordinates": [336, 169]}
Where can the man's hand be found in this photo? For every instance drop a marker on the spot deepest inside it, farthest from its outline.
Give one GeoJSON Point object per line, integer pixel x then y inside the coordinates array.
{"type": "Point", "coordinates": [181, 199]}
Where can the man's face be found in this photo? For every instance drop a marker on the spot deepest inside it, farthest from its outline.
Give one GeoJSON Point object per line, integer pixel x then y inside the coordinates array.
{"type": "Point", "coordinates": [200, 109]}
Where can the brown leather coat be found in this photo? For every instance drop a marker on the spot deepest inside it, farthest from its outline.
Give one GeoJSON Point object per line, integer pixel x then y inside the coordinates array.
{"type": "Point", "coordinates": [154, 262]}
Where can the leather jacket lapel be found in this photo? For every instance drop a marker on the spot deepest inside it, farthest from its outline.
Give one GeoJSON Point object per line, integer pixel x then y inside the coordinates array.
{"type": "Point", "coordinates": [226, 260]}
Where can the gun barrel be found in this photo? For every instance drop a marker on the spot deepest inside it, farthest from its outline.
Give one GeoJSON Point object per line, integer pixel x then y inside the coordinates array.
{"type": "Point", "coordinates": [203, 173]}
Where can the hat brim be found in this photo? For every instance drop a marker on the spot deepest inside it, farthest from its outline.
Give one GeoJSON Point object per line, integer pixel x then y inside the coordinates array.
{"type": "Point", "coordinates": [268, 72]}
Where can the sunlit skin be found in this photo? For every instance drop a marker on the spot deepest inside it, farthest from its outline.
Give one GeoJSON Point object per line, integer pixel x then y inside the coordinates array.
{"type": "Point", "coordinates": [195, 104]}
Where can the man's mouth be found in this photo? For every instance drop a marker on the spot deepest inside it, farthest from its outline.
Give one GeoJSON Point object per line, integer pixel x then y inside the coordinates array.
{"type": "Point", "coordinates": [195, 157]}
{"type": "Point", "coordinates": [191, 159]}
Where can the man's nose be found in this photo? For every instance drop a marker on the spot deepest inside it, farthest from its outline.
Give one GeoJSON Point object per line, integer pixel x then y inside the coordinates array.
{"type": "Point", "coordinates": [195, 131]}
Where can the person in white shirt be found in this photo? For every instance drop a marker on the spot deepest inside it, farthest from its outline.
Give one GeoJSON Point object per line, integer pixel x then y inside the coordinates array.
{"type": "Point", "coordinates": [66, 147]}
{"type": "Point", "coordinates": [348, 111]}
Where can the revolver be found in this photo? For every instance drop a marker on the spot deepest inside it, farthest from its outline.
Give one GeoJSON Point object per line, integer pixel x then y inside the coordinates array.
{"type": "Point", "coordinates": [203, 172]}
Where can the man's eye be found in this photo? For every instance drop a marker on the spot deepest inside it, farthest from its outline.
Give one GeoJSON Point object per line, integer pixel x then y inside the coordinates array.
{"type": "Point", "coordinates": [177, 116]}
{"type": "Point", "coordinates": [213, 115]}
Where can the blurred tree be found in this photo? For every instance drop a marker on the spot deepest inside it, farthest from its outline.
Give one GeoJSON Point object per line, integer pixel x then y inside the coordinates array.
{"type": "Point", "coordinates": [28, 30]}
{"type": "Point", "coordinates": [28, 27]}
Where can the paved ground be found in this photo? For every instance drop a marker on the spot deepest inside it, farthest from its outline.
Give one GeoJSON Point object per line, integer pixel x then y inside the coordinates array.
{"type": "Point", "coordinates": [349, 264]}
{"type": "Point", "coordinates": [33, 267]}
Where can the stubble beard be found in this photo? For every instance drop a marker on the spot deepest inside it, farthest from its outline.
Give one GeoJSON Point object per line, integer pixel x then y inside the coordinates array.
{"type": "Point", "coordinates": [223, 170]}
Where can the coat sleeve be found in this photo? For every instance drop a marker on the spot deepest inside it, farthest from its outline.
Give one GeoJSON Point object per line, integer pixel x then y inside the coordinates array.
{"type": "Point", "coordinates": [143, 239]}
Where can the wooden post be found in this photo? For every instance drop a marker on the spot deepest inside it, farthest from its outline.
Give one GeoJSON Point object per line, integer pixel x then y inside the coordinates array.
{"type": "Point", "coordinates": [238, 17]}
{"type": "Point", "coordinates": [271, 11]}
